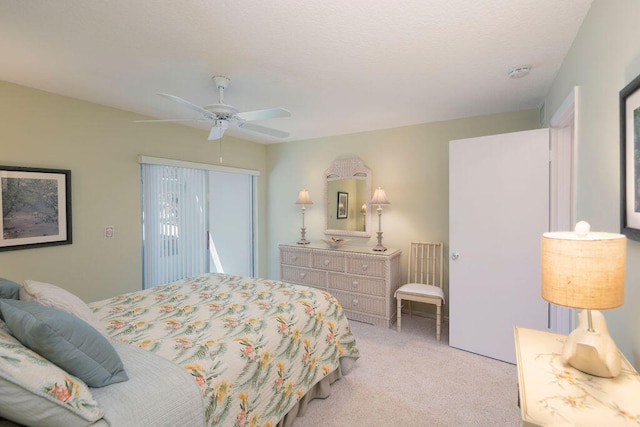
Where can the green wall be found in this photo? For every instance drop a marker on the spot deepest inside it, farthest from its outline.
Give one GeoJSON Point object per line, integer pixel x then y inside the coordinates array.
{"type": "Point", "coordinates": [100, 146]}
{"type": "Point", "coordinates": [411, 163]}
{"type": "Point", "coordinates": [604, 58]}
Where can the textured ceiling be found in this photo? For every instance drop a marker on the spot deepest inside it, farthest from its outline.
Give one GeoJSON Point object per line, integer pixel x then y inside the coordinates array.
{"type": "Point", "coordinates": [339, 66]}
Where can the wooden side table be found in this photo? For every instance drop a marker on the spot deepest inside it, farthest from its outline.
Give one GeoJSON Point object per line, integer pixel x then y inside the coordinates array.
{"type": "Point", "coordinates": [553, 393]}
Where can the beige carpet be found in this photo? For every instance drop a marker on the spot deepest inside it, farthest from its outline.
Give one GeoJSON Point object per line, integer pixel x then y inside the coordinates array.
{"type": "Point", "coordinates": [409, 379]}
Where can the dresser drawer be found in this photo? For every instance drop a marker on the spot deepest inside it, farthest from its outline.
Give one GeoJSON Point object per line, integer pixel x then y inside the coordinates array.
{"type": "Point", "coordinates": [303, 276]}
{"type": "Point", "coordinates": [328, 261]}
{"type": "Point", "coordinates": [363, 285]}
{"type": "Point", "coordinates": [294, 257]}
{"type": "Point", "coordinates": [366, 266]}
{"type": "Point", "coordinates": [361, 303]}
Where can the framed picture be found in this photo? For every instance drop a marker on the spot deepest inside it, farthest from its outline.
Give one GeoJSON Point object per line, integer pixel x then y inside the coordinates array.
{"type": "Point", "coordinates": [343, 205]}
{"type": "Point", "coordinates": [630, 160]}
{"type": "Point", "coordinates": [36, 207]}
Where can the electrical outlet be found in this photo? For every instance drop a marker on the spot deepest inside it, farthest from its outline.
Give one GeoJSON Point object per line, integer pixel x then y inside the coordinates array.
{"type": "Point", "coordinates": [109, 232]}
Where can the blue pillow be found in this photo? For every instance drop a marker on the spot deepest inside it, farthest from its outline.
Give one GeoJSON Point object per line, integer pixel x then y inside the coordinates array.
{"type": "Point", "coordinates": [65, 340]}
{"type": "Point", "coordinates": [9, 289]}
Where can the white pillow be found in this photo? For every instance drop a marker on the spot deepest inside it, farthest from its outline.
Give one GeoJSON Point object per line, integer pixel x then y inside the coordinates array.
{"type": "Point", "coordinates": [35, 392]}
{"type": "Point", "coordinates": [56, 297]}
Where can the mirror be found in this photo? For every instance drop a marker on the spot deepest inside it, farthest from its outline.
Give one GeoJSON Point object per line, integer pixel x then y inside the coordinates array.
{"type": "Point", "coordinates": [347, 188]}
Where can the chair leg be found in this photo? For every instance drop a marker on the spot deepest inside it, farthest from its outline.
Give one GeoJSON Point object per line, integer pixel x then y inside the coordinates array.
{"type": "Point", "coordinates": [438, 321]}
{"type": "Point", "coordinates": [410, 307]}
{"type": "Point", "coordinates": [399, 315]}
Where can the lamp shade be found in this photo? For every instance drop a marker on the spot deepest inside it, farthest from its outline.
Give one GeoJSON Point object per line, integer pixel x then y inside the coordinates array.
{"type": "Point", "coordinates": [304, 198]}
{"type": "Point", "coordinates": [379, 197]}
{"type": "Point", "coordinates": [584, 269]}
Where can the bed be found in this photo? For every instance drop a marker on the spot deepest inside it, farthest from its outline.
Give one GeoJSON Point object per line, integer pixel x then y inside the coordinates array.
{"type": "Point", "coordinates": [221, 350]}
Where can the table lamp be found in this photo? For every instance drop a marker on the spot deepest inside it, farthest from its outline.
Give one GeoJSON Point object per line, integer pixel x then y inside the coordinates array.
{"type": "Point", "coordinates": [379, 198]}
{"type": "Point", "coordinates": [303, 199]}
{"type": "Point", "coordinates": [584, 269]}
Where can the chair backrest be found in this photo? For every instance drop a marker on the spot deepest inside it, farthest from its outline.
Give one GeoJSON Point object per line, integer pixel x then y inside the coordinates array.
{"type": "Point", "coordinates": [425, 263]}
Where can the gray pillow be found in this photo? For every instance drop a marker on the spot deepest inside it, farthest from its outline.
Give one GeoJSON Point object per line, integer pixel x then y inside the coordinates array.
{"type": "Point", "coordinates": [9, 289]}
{"type": "Point", "coordinates": [65, 340]}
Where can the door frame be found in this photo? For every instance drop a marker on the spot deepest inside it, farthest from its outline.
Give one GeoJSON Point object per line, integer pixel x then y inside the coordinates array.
{"type": "Point", "coordinates": [563, 145]}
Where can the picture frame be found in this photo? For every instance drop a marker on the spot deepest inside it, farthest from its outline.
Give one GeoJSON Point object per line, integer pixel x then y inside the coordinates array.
{"type": "Point", "coordinates": [343, 205]}
{"type": "Point", "coordinates": [36, 207]}
{"type": "Point", "coordinates": [630, 160]}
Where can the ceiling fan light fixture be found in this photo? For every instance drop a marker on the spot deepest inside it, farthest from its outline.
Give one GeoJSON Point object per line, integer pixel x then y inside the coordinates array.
{"type": "Point", "coordinates": [222, 124]}
{"type": "Point", "coordinates": [519, 71]}
{"type": "Point", "coordinates": [217, 130]}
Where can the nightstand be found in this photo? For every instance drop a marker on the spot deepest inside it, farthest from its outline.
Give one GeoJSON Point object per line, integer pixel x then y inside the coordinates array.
{"type": "Point", "coordinates": [553, 393]}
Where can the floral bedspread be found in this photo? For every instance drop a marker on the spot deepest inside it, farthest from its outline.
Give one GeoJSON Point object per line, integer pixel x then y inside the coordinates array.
{"type": "Point", "coordinates": [254, 346]}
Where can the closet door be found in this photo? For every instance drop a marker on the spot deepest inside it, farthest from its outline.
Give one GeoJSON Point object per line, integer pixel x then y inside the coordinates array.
{"type": "Point", "coordinates": [498, 210]}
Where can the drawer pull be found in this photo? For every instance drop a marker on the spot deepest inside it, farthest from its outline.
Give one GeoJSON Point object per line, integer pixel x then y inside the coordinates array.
{"type": "Point", "coordinates": [294, 258]}
{"type": "Point", "coordinates": [327, 262]}
{"type": "Point", "coordinates": [355, 283]}
{"type": "Point", "coordinates": [365, 266]}
{"type": "Point", "coordinates": [355, 301]}
{"type": "Point", "coordinates": [302, 275]}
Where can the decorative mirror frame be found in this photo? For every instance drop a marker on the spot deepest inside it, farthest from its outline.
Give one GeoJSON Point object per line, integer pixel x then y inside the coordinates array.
{"type": "Point", "coordinates": [344, 169]}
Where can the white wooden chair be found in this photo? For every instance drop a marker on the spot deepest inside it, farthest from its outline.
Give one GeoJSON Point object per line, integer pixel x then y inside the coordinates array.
{"type": "Point", "coordinates": [425, 280]}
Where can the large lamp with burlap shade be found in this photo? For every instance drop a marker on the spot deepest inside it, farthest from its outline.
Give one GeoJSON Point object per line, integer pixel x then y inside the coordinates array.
{"type": "Point", "coordinates": [585, 269]}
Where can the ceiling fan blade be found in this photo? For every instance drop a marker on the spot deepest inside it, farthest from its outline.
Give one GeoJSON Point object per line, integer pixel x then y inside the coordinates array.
{"type": "Point", "coordinates": [170, 120]}
{"type": "Point", "coordinates": [269, 113]}
{"type": "Point", "coordinates": [262, 129]}
{"type": "Point", "coordinates": [206, 113]}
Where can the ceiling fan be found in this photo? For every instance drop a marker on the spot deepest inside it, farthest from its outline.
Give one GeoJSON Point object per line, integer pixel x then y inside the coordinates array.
{"type": "Point", "coordinates": [222, 115]}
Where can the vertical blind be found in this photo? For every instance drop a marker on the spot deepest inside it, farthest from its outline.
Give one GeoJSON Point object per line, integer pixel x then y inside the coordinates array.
{"type": "Point", "coordinates": [174, 209]}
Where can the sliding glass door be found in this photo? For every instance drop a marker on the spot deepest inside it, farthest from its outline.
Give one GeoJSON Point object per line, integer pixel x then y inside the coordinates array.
{"type": "Point", "coordinates": [231, 232]}
{"type": "Point", "coordinates": [195, 219]}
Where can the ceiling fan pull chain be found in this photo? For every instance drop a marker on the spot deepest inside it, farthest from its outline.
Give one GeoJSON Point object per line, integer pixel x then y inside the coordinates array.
{"type": "Point", "coordinates": [220, 150]}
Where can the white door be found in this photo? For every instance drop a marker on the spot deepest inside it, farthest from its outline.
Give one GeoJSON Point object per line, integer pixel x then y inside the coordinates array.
{"type": "Point", "coordinates": [498, 210]}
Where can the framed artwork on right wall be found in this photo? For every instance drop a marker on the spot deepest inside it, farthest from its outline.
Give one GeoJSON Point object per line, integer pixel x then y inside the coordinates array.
{"type": "Point", "coordinates": [630, 160]}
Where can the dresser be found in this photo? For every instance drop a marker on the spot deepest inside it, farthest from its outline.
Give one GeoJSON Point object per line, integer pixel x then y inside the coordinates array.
{"type": "Point", "coordinates": [554, 393]}
{"type": "Point", "coordinates": [362, 281]}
